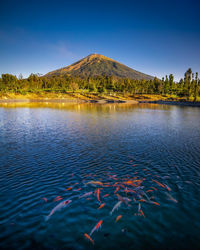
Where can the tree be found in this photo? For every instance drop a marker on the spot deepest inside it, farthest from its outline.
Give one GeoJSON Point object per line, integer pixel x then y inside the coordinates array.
{"type": "Point", "coordinates": [73, 86]}
{"type": "Point", "coordinates": [196, 87]}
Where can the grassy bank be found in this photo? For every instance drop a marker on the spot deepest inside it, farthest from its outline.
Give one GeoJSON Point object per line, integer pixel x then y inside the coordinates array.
{"type": "Point", "coordinates": [87, 96]}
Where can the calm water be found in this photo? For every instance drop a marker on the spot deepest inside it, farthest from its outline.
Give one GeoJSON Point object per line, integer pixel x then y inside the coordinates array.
{"type": "Point", "coordinates": [48, 148]}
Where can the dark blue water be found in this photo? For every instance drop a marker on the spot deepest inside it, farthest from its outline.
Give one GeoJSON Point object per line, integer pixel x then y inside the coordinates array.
{"type": "Point", "coordinates": [48, 148]}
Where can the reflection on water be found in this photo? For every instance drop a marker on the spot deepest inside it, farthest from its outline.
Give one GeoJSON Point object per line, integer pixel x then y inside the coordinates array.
{"type": "Point", "coordinates": [53, 149]}
{"type": "Point", "coordinates": [88, 107]}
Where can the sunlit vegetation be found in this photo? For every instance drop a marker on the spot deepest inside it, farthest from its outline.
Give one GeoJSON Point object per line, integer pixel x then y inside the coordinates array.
{"type": "Point", "coordinates": [188, 87]}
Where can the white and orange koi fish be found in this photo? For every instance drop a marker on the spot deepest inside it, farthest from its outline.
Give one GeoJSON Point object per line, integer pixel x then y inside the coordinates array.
{"type": "Point", "coordinates": [58, 207]}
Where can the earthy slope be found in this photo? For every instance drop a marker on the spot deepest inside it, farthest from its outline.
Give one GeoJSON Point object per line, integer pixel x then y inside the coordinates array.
{"type": "Point", "coordinates": [99, 65]}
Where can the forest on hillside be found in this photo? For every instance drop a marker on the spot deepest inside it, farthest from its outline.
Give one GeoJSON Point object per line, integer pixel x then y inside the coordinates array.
{"type": "Point", "coordinates": [188, 86]}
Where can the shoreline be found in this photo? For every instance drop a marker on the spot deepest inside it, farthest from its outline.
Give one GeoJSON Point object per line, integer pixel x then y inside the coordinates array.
{"type": "Point", "coordinates": [95, 98]}
{"type": "Point", "coordinates": [100, 101]}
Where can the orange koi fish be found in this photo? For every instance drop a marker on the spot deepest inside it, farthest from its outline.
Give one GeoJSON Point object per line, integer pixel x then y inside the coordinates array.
{"type": "Point", "coordinates": [102, 205]}
{"type": "Point", "coordinates": [105, 195]}
{"type": "Point", "coordinates": [142, 212]}
{"type": "Point", "coordinates": [78, 189]}
{"type": "Point", "coordinates": [95, 183]}
{"type": "Point", "coordinates": [98, 192]}
{"type": "Point", "coordinates": [89, 238]}
{"type": "Point", "coordinates": [168, 188]}
{"type": "Point", "coordinates": [70, 188]}
{"type": "Point", "coordinates": [148, 191]}
{"type": "Point", "coordinates": [156, 203]}
{"type": "Point", "coordinates": [118, 218]}
{"type": "Point", "coordinates": [98, 225]}
{"type": "Point", "coordinates": [142, 200]}
{"type": "Point", "coordinates": [160, 184]}
{"type": "Point", "coordinates": [116, 190]}
{"type": "Point", "coordinates": [58, 198]}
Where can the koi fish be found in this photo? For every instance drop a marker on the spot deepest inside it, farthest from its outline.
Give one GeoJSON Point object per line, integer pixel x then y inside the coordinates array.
{"type": "Point", "coordinates": [116, 190]}
{"type": "Point", "coordinates": [89, 238]}
{"type": "Point", "coordinates": [148, 191]}
{"type": "Point", "coordinates": [98, 192]}
{"type": "Point", "coordinates": [123, 199]}
{"type": "Point", "coordinates": [128, 190]}
{"type": "Point", "coordinates": [78, 189]}
{"type": "Point", "coordinates": [95, 183]}
{"type": "Point", "coordinates": [160, 184]}
{"type": "Point", "coordinates": [102, 205]}
{"type": "Point", "coordinates": [58, 198]}
{"type": "Point", "coordinates": [58, 207]}
{"type": "Point", "coordinates": [45, 199]}
{"type": "Point", "coordinates": [168, 188]}
{"type": "Point", "coordinates": [142, 212]}
{"type": "Point", "coordinates": [171, 198]}
{"type": "Point", "coordinates": [86, 195]}
{"type": "Point", "coordinates": [139, 207]}
{"type": "Point", "coordinates": [130, 183]}
{"type": "Point", "coordinates": [118, 218]}
{"type": "Point", "coordinates": [156, 203]}
{"type": "Point", "coordinates": [142, 200]}
{"type": "Point", "coordinates": [70, 188]}
{"type": "Point", "coordinates": [98, 225]}
{"type": "Point", "coordinates": [105, 195]}
{"type": "Point", "coordinates": [116, 206]}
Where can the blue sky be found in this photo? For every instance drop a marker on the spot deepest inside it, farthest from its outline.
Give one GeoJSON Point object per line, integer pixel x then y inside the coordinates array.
{"type": "Point", "coordinates": [155, 37]}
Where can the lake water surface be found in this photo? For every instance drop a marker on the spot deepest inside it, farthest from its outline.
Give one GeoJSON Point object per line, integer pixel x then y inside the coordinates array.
{"type": "Point", "coordinates": [50, 150]}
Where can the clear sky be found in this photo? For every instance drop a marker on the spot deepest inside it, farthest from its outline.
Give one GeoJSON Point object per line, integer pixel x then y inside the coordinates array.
{"type": "Point", "coordinates": [156, 37]}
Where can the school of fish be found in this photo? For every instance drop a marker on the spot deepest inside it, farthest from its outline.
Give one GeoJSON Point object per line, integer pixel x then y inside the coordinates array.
{"type": "Point", "coordinates": [132, 191]}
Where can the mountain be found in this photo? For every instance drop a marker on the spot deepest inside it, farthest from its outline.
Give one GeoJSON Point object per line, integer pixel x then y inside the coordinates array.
{"type": "Point", "coordinates": [99, 65]}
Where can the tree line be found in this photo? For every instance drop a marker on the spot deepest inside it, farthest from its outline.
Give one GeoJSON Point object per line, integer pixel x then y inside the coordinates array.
{"type": "Point", "coordinates": [188, 87]}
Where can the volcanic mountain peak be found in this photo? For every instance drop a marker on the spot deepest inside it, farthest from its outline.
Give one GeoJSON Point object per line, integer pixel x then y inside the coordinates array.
{"type": "Point", "coordinates": [99, 65]}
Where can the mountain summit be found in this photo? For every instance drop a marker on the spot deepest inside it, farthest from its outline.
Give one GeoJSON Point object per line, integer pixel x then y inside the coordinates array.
{"type": "Point", "coordinates": [99, 65]}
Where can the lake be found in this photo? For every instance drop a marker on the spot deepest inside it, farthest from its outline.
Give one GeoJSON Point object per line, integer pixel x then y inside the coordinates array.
{"type": "Point", "coordinates": [147, 156]}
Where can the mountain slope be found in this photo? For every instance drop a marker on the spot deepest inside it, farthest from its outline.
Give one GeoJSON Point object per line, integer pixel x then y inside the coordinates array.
{"type": "Point", "coordinates": [99, 65]}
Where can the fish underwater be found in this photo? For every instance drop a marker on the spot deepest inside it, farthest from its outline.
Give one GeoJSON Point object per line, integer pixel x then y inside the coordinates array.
{"type": "Point", "coordinates": [123, 199]}
{"type": "Point", "coordinates": [98, 225]}
{"type": "Point", "coordinates": [58, 207]}
{"type": "Point", "coordinates": [86, 195]}
{"type": "Point", "coordinates": [89, 238]}
{"type": "Point", "coordinates": [118, 218]}
{"type": "Point", "coordinates": [171, 198]}
{"type": "Point", "coordinates": [116, 206]}
{"type": "Point", "coordinates": [95, 183]}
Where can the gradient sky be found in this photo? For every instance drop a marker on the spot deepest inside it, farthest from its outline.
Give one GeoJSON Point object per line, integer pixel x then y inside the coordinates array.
{"type": "Point", "coordinates": [154, 37]}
